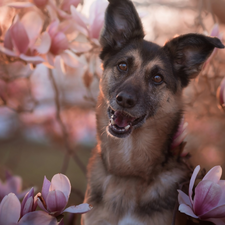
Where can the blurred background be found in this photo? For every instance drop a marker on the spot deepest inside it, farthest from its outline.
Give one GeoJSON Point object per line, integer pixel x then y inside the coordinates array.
{"type": "Point", "coordinates": [47, 108]}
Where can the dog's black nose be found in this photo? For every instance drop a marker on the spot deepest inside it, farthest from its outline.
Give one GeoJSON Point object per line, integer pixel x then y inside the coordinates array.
{"type": "Point", "coordinates": [126, 100]}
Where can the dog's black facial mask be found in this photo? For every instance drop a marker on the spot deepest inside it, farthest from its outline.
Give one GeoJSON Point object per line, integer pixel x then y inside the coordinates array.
{"type": "Point", "coordinates": [141, 77]}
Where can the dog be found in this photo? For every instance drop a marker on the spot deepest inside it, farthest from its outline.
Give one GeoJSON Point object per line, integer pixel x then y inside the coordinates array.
{"type": "Point", "coordinates": [132, 175]}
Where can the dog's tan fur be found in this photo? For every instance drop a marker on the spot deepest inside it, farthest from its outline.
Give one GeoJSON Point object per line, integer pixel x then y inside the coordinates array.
{"type": "Point", "coordinates": [128, 171]}
{"type": "Point", "coordinates": [133, 178]}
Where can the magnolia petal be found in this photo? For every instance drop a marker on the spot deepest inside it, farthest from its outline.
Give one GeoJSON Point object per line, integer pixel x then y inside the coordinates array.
{"type": "Point", "coordinates": [8, 40]}
{"type": "Point", "coordinates": [192, 181]}
{"type": "Point", "coordinates": [207, 196]}
{"type": "Point", "coordinates": [43, 44]}
{"type": "Point", "coordinates": [70, 59]}
{"type": "Point", "coordinates": [215, 30]}
{"type": "Point", "coordinates": [59, 64]}
{"type": "Point", "coordinates": [50, 60]}
{"type": "Point", "coordinates": [33, 24]}
{"type": "Point", "coordinates": [183, 198]}
{"type": "Point", "coordinates": [97, 8]}
{"type": "Point", "coordinates": [216, 212]}
{"type": "Point", "coordinates": [32, 59]}
{"type": "Point", "coordinates": [28, 206]}
{"type": "Point", "coordinates": [79, 47]}
{"type": "Point", "coordinates": [36, 201]}
{"type": "Point", "coordinates": [61, 183]}
{"type": "Point", "coordinates": [82, 208]}
{"type": "Point", "coordinates": [56, 201]}
{"type": "Point", "coordinates": [97, 15]}
{"type": "Point", "coordinates": [187, 210]}
{"type": "Point", "coordinates": [19, 37]}
{"type": "Point", "coordinates": [53, 28]}
{"type": "Point", "coordinates": [41, 205]}
{"type": "Point", "coordinates": [20, 5]}
{"type": "Point", "coordinates": [8, 52]}
{"type": "Point", "coordinates": [45, 188]}
{"type": "Point", "coordinates": [27, 196]}
{"type": "Point", "coordinates": [37, 218]}
{"type": "Point", "coordinates": [59, 43]}
{"type": "Point", "coordinates": [78, 17]}
{"type": "Point", "coordinates": [23, 193]}
{"type": "Point", "coordinates": [222, 185]}
{"type": "Point", "coordinates": [214, 174]}
{"type": "Point", "coordinates": [181, 128]}
{"type": "Point", "coordinates": [96, 27]}
{"type": "Point", "coordinates": [10, 210]}
{"type": "Point", "coordinates": [81, 29]}
{"type": "Point", "coordinates": [179, 139]}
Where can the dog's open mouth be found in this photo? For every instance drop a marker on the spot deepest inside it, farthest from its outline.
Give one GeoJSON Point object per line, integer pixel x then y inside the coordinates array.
{"type": "Point", "coordinates": [121, 123]}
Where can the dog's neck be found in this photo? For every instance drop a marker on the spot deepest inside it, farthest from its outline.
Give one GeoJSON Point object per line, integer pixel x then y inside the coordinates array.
{"type": "Point", "coordinates": [140, 153]}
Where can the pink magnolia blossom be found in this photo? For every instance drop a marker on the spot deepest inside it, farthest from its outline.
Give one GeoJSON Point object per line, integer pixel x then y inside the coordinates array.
{"type": "Point", "coordinates": [29, 203]}
{"type": "Point", "coordinates": [208, 202]}
{"type": "Point", "coordinates": [55, 195]}
{"type": "Point", "coordinates": [221, 94]}
{"type": "Point", "coordinates": [56, 47]}
{"type": "Point", "coordinates": [12, 184]}
{"type": "Point", "coordinates": [59, 41]}
{"type": "Point", "coordinates": [20, 39]}
{"type": "Point", "coordinates": [97, 14]}
{"type": "Point", "coordinates": [10, 213]}
{"type": "Point", "coordinates": [180, 135]}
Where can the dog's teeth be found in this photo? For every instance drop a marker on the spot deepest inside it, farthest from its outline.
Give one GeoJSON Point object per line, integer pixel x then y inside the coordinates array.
{"type": "Point", "coordinates": [127, 127]}
{"type": "Point", "coordinates": [112, 121]}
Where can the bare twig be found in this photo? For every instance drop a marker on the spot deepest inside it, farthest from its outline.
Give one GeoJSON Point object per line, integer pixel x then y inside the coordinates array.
{"type": "Point", "coordinates": [69, 150]}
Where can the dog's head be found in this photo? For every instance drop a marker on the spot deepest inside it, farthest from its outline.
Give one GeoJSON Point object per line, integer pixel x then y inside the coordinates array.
{"type": "Point", "coordinates": [140, 78]}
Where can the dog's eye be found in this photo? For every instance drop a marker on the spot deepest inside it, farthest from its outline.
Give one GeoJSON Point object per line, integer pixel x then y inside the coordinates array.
{"type": "Point", "coordinates": [158, 79]}
{"type": "Point", "coordinates": [122, 66]}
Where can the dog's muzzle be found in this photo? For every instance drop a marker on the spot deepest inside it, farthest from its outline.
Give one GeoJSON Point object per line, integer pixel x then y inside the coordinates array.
{"type": "Point", "coordinates": [121, 123]}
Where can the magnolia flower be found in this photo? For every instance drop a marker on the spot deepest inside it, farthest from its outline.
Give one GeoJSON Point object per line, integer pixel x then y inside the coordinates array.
{"type": "Point", "coordinates": [179, 136]}
{"type": "Point", "coordinates": [10, 212]}
{"type": "Point", "coordinates": [12, 184]}
{"type": "Point", "coordinates": [97, 14]}
{"type": "Point", "coordinates": [55, 195]}
{"type": "Point", "coordinates": [59, 41]}
{"type": "Point", "coordinates": [221, 94]}
{"type": "Point", "coordinates": [20, 39]}
{"type": "Point", "coordinates": [55, 46]}
{"type": "Point", "coordinates": [29, 203]}
{"type": "Point", "coordinates": [208, 202]}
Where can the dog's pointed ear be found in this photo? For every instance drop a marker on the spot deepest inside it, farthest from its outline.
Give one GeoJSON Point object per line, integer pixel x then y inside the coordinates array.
{"type": "Point", "coordinates": [122, 23]}
{"type": "Point", "coordinates": [188, 54]}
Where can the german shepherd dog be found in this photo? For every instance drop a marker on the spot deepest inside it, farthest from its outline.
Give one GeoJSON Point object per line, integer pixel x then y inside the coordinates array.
{"type": "Point", "coordinates": [133, 176]}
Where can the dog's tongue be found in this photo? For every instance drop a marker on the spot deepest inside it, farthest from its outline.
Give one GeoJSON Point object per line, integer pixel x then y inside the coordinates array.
{"type": "Point", "coordinates": [122, 120]}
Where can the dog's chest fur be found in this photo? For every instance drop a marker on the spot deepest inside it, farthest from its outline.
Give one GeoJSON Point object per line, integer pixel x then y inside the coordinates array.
{"type": "Point", "coordinates": [132, 200]}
